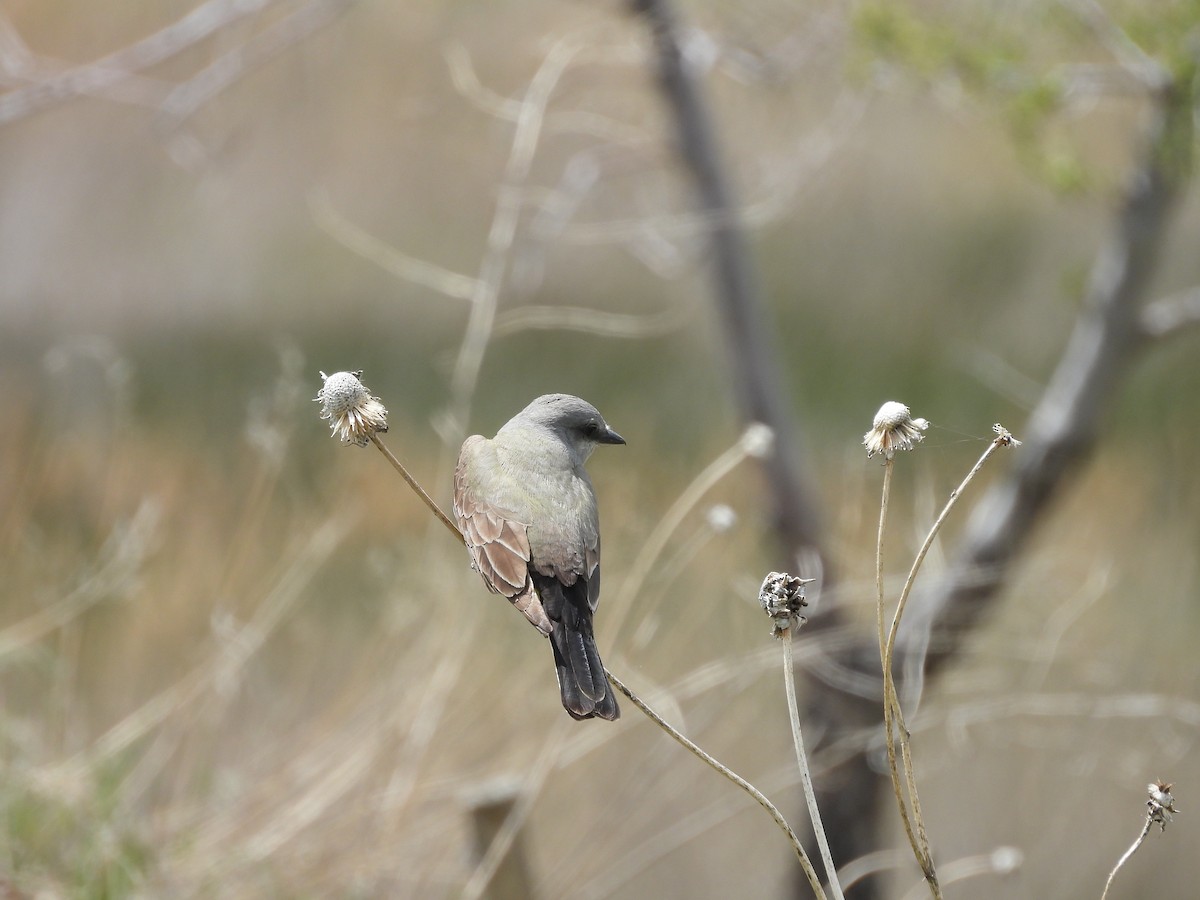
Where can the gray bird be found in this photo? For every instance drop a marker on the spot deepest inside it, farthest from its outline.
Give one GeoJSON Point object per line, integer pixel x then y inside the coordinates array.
{"type": "Point", "coordinates": [527, 511]}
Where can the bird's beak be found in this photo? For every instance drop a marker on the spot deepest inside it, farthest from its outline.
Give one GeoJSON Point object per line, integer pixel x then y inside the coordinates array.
{"type": "Point", "coordinates": [610, 437]}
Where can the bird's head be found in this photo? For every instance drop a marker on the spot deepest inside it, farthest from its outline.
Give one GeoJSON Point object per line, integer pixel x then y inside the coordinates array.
{"type": "Point", "coordinates": [576, 422]}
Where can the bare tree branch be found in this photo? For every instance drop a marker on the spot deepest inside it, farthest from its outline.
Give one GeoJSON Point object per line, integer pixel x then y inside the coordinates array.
{"type": "Point", "coordinates": [1065, 425]}
{"type": "Point", "coordinates": [739, 299]}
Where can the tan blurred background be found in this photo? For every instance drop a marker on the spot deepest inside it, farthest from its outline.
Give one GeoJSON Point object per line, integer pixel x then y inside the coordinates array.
{"type": "Point", "coordinates": [238, 660]}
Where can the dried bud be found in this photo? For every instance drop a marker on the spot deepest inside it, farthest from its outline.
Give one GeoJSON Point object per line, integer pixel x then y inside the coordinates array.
{"type": "Point", "coordinates": [353, 413]}
{"type": "Point", "coordinates": [894, 429]}
{"type": "Point", "coordinates": [1161, 805]}
{"type": "Point", "coordinates": [782, 596]}
{"type": "Point", "coordinates": [1004, 437]}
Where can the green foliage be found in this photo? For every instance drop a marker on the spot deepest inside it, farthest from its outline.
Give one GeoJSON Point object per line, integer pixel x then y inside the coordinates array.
{"type": "Point", "coordinates": [892, 32]}
{"type": "Point", "coordinates": [1168, 32]}
{"type": "Point", "coordinates": [1022, 66]}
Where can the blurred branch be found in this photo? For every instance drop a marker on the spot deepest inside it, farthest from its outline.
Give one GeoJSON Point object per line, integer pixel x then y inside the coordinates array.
{"type": "Point", "coordinates": [502, 233]}
{"type": "Point", "coordinates": [387, 257]}
{"type": "Point", "coordinates": [122, 558]}
{"type": "Point", "coordinates": [756, 374]}
{"type": "Point", "coordinates": [1172, 315]}
{"type": "Point", "coordinates": [1065, 425]}
{"type": "Point", "coordinates": [804, 161]}
{"type": "Point", "coordinates": [115, 76]}
{"type": "Point", "coordinates": [1131, 57]}
{"type": "Point", "coordinates": [592, 321]}
{"type": "Point", "coordinates": [227, 69]}
{"type": "Point", "coordinates": [467, 83]}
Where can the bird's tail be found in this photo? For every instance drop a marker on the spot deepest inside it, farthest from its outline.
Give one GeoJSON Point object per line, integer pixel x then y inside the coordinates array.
{"type": "Point", "coordinates": [581, 680]}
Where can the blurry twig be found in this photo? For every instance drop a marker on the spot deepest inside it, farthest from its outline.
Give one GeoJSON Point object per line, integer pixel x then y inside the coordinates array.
{"type": "Point", "coordinates": [110, 75]}
{"type": "Point", "coordinates": [591, 321]}
{"type": "Point", "coordinates": [1003, 860]}
{"type": "Point", "coordinates": [388, 258]}
{"type": "Point", "coordinates": [756, 441]}
{"type": "Point", "coordinates": [467, 83]}
{"type": "Point", "coordinates": [122, 556]}
{"type": "Point", "coordinates": [502, 232]}
{"type": "Point", "coordinates": [219, 75]}
{"type": "Point", "coordinates": [1117, 41]}
{"type": "Point", "coordinates": [1171, 316]}
{"type": "Point", "coordinates": [221, 666]}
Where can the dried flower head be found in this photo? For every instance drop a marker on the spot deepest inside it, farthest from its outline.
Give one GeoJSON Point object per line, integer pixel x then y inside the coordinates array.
{"type": "Point", "coordinates": [1004, 437]}
{"type": "Point", "coordinates": [1161, 805]}
{"type": "Point", "coordinates": [782, 597]}
{"type": "Point", "coordinates": [353, 413]}
{"type": "Point", "coordinates": [894, 429]}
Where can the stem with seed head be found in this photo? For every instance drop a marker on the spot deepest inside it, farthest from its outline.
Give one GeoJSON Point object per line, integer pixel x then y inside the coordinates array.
{"type": "Point", "coordinates": [420, 491]}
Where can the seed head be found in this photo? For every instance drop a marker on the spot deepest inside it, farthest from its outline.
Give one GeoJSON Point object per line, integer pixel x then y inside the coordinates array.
{"type": "Point", "coordinates": [894, 429]}
{"type": "Point", "coordinates": [354, 415]}
{"type": "Point", "coordinates": [1161, 804]}
{"type": "Point", "coordinates": [782, 597]}
{"type": "Point", "coordinates": [1004, 437]}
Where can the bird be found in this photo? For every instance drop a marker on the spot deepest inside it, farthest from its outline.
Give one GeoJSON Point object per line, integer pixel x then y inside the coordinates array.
{"type": "Point", "coordinates": [528, 515]}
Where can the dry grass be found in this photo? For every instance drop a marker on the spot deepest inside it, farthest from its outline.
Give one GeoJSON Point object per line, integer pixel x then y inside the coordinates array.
{"type": "Point", "coordinates": [227, 679]}
{"type": "Point", "coordinates": [245, 663]}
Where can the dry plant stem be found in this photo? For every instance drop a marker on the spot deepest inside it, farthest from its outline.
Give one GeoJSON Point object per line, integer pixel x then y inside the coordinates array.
{"type": "Point", "coordinates": [893, 713]}
{"type": "Point", "coordinates": [893, 720]}
{"type": "Point", "coordinates": [1128, 853]}
{"type": "Point", "coordinates": [412, 483]}
{"type": "Point", "coordinates": [741, 782]}
{"type": "Point", "coordinates": [912, 574]}
{"type": "Point", "coordinates": [888, 706]}
{"type": "Point", "coordinates": [810, 795]}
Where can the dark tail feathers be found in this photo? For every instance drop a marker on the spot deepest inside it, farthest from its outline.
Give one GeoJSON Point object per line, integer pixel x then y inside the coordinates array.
{"type": "Point", "coordinates": [585, 690]}
{"type": "Point", "coordinates": [581, 680]}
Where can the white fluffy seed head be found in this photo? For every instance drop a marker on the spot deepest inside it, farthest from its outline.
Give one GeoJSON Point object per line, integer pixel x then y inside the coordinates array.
{"type": "Point", "coordinates": [894, 429]}
{"type": "Point", "coordinates": [353, 414]}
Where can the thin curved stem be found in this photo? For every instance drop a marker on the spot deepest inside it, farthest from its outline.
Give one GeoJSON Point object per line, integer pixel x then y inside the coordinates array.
{"type": "Point", "coordinates": [920, 558]}
{"type": "Point", "coordinates": [889, 689]}
{"type": "Point", "coordinates": [737, 779]}
{"type": "Point", "coordinates": [420, 491]}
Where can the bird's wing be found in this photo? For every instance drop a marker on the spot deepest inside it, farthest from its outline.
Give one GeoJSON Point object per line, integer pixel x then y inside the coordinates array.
{"type": "Point", "coordinates": [497, 540]}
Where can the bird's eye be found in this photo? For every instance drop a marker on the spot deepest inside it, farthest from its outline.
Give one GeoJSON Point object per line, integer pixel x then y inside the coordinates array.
{"type": "Point", "coordinates": [592, 429]}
